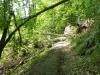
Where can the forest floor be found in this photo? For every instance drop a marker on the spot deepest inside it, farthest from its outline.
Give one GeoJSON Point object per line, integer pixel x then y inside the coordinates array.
{"type": "Point", "coordinates": [60, 61]}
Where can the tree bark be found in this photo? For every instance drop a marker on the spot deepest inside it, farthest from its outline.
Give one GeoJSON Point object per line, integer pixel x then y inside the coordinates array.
{"type": "Point", "coordinates": [2, 45]}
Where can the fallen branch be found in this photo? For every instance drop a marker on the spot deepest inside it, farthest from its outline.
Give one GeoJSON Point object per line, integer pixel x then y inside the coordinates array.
{"type": "Point", "coordinates": [53, 34]}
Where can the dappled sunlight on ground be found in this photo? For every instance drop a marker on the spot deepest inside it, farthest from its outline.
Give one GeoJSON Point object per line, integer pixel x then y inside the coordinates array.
{"type": "Point", "coordinates": [61, 44]}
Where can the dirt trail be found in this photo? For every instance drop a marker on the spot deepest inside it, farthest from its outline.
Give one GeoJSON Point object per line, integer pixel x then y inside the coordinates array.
{"type": "Point", "coordinates": [60, 61]}
{"type": "Point", "coordinates": [53, 64]}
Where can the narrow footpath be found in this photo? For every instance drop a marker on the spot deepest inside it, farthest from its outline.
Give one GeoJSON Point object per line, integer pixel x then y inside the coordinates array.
{"type": "Point", "coordinates": [60, 61]}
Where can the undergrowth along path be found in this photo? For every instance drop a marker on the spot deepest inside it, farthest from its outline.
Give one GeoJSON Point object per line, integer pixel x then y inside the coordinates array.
{"type": "Point", "coordinates": [60, 61]}
{"type": "Point", "coordinates": [52, 64]}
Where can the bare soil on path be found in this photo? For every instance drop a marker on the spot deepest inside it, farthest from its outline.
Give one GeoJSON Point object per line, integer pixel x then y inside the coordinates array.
{"type": "Point", "coordinates": [60, 61]}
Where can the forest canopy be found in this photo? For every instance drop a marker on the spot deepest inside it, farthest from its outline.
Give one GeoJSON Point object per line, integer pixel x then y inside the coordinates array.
{"type": "Point", "coordinates": [21, 12]}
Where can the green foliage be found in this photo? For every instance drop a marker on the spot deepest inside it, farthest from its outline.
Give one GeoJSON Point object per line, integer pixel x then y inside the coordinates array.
{"type": "Point", "coordinates": [87, 44]}
{"type": "Point", "coordinates": [29, 63]}
{"type": "Point", "coordinates": [53, 21]}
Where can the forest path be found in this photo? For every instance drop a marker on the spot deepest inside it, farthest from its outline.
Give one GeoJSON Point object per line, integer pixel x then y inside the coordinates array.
{"type": "Point", "coordinates": [60, 61]}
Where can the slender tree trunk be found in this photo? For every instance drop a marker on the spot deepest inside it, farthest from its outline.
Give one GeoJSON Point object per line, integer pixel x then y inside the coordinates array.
{"type": "Point", "coordinates": [2, 45]}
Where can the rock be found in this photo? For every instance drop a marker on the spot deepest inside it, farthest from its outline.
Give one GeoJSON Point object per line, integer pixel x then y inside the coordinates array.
{"type": "Point", "coordinates": [68, 30]}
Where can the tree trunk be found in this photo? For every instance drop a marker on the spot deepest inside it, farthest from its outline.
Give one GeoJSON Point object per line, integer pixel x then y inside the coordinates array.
{"type": "Point", "coordinates": [2, 45]}
{"type": "Point", "coordinates": [2, 41]}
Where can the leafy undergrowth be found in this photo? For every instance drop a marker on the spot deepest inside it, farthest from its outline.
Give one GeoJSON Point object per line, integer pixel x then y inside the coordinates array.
{"type": "Point", "coordinates": [87, 46]}
{"type": "Point", "coordinates": [28, 62]}
{"type": "Point", "coordinates": [15, 65]}
{"type": "Point", "coordinates": [17, 59]}
{"type": "Point", "coordinates": [62, 61]}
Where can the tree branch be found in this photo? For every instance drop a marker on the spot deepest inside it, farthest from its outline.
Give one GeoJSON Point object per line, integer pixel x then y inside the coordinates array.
{"type": "Point", "coordinates": [33, 16]}
{"type": "Point", "coordinates": [20, 38]}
